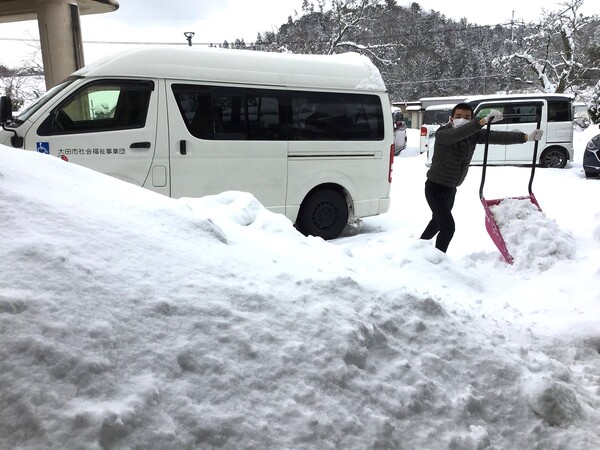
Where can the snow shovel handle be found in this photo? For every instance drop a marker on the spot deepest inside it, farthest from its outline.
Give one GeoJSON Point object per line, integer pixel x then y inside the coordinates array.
{"type": "Point", "coordinates": [538, 120]}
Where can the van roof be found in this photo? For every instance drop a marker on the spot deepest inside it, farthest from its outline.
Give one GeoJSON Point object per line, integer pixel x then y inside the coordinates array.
{"type": "Point", "coordinates": [432, 101]}
{"type": "Point", "coordinates": [348, 71]}
{"type": "Point", "coordinates": [520, 96]}
{"type": "Point", "coordinates": [442, 107]}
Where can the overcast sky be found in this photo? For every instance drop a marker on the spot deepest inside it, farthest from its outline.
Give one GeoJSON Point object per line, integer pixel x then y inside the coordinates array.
{"type": "Point", "coordinates": [152, 21]}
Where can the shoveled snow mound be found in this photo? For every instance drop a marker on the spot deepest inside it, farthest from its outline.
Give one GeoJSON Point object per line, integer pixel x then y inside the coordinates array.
{"type": "Point", "coordinates": [532, 239]}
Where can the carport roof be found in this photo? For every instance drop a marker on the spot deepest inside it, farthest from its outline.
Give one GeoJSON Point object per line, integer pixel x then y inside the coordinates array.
{"type": "Point", "coordinates": [18, 10]}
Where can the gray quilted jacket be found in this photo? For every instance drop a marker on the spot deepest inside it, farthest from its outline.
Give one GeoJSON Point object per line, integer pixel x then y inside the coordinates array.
{"type": "Point", "coordinates": [454, 148]}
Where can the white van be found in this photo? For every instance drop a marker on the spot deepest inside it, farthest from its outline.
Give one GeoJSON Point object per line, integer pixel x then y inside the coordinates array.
{"type": "Point", "coordinates": [433, 117]}
{"type": "Point", "coordinates": [555, 149]}
{"type": "Point", "coordinates": [308, 135]}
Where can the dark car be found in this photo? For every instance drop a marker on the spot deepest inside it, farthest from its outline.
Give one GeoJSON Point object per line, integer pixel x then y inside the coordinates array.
{"type": "Point", "coordinates": [591, 157]}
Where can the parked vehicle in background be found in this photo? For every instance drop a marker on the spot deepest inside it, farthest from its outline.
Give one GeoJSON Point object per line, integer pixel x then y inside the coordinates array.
{"type": "Point", "coordinates": [433, 117]}
{"type": "Point", "coordinates": [555, 149]}
{"type": "Point", "coordinates": [581, 117]}
{"type": "Point", "coordinates": [399, 130]}
{"type": "Point", "coordinates": [591, 158]}
{"type": "Point", "coordinates": [308, 135]}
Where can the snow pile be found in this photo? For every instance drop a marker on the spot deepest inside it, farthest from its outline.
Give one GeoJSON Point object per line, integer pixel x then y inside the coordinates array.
{"type": "Point", "coordinates": [532, 239]}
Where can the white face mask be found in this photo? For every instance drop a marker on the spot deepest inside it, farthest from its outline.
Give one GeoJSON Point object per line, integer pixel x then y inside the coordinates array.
{"type": "Point", "coordinates": [459, 122]}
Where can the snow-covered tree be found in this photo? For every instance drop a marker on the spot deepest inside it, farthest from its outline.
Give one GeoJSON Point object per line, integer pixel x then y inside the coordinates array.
{"type": "Point", "coordinates": [332, 26]}
{"type": "Point", "coordinates": [353, 20]}
{"type": "Point", "coordinates": [422, 53]}
{"type": "Point", "coordinates": [554, 48]}
{"type": "Point", "coordinates": [22, 85]}
{"type": "Point", "coordinates": [594, 105]}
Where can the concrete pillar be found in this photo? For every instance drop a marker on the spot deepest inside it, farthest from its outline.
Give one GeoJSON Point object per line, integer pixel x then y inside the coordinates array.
{"type": "Point", "coordinates": [60, 38]}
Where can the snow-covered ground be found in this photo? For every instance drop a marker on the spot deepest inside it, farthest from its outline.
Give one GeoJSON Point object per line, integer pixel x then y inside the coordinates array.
{"type": "Point", "coordinates": [133, 321]}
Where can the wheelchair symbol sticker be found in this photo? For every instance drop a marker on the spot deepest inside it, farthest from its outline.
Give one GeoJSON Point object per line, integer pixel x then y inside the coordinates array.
{"type": "Point", "coordinates": [43, 147]}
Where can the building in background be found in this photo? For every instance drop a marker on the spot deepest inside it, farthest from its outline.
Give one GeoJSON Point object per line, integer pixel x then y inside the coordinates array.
{"type": "Point", "coordinates": [60, 30]}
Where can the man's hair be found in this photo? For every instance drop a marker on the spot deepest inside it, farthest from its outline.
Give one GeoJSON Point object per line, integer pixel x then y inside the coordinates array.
{"type": "Point", "coordinates": [463, 106]}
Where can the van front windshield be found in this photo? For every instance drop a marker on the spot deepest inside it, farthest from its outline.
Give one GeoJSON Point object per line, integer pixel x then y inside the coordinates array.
{"type": "Point", "coordinates": [33, 107]}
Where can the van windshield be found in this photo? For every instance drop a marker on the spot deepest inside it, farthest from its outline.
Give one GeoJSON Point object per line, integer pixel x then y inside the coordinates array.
{"type": "Point", "coordinates": [35, 106]}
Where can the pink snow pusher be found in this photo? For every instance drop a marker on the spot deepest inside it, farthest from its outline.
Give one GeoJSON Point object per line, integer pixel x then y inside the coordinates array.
{"type": "Point", "coordinates": [490, 222]}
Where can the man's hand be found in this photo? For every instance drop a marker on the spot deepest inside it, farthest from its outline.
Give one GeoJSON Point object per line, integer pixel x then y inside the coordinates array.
{"type": "Point", "coordinates": [494, 116]}
{"type": "Point", "coordinates": [535, 135]}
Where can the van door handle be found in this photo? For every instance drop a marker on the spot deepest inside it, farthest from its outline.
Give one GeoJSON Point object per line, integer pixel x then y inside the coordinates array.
{"type": "Point", "coordinates": [182, 147]}
{"type": "Point", "coordinates": [140, 145]}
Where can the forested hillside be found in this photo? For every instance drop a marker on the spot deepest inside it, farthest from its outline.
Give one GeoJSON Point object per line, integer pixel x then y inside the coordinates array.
{"type": "Point", "coordinates": [422, 53]}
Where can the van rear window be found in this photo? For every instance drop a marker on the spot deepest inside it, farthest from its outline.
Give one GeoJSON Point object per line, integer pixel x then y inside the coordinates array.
{"type": "Point", "coordinates": [436, 117]}
{"type": "Point", "coordinates": [218, 113]}
{"type": "Point", "coordinates": [560, 111]}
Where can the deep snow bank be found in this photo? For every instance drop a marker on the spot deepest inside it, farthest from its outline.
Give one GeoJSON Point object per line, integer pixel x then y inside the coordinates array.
{"type": "Point", "coordinates": [129, 320]}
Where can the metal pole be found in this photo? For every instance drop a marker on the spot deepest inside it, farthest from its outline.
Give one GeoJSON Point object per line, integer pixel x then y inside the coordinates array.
{"type": "Point", "coordinates": [512, 37]}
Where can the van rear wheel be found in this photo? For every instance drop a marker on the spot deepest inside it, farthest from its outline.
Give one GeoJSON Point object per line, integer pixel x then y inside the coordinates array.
{"type": "Point", "coordinates": [324, 213]}
{"type": "Point", "coordinates": [554, 157]}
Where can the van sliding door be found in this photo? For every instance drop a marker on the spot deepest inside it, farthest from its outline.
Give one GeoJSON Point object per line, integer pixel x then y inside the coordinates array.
{"type": "Point", "coordinates": [525, 123]}
{"type": "Point", "coordinates": [224, 138]}
{"type": "Point", "coordinates": [496, 153]}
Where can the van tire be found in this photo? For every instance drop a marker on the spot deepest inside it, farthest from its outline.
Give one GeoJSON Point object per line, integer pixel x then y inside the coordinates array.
{"type": "Point", "coordinates": [554, 157]}
{"type": "Point", "coordinates": [323, 213]}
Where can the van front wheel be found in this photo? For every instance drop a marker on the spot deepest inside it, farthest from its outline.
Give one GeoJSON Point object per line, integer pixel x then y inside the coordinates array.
{"type": "Point", "coordinates": [554, 157]}
{"type": "Point", "coordinates": [324, 213]}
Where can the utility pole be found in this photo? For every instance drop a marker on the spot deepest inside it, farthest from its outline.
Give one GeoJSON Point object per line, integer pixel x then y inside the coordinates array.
{"type": "Point", "coordinates": [512, 38]}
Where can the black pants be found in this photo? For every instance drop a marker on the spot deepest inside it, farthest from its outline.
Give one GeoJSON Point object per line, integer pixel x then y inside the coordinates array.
{"type": "Point", "coordinates": [441, 200]}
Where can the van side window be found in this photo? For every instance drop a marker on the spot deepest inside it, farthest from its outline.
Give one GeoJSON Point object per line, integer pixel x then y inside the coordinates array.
{"type": "Point", "coordinates": [336, 117]}
{"type": "Point", "coordinates": [559, 111]}
{"type": "Point", "coordinates": [499, 107]}
{"type": "Point", "coordinates": [229, 113]}
{"type": "Point", "coordinates": [266, 115]}
{"type": "Point", "coordinates": [526, 112]}
{"type": "Point", "coordinates": [216, 113]}
{"type": "Point", "coordinates": [101, 106]}
{"type": "Point", "coordinates": [212, 112]}
{"type": "Point", "coordinates": [196, 107]}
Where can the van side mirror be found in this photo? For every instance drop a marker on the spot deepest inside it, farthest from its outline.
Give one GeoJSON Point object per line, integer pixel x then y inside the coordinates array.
{"type": "Point", "coordinates": [5, 109]}
{"type": "Point", "coordinates": [6, 116]}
